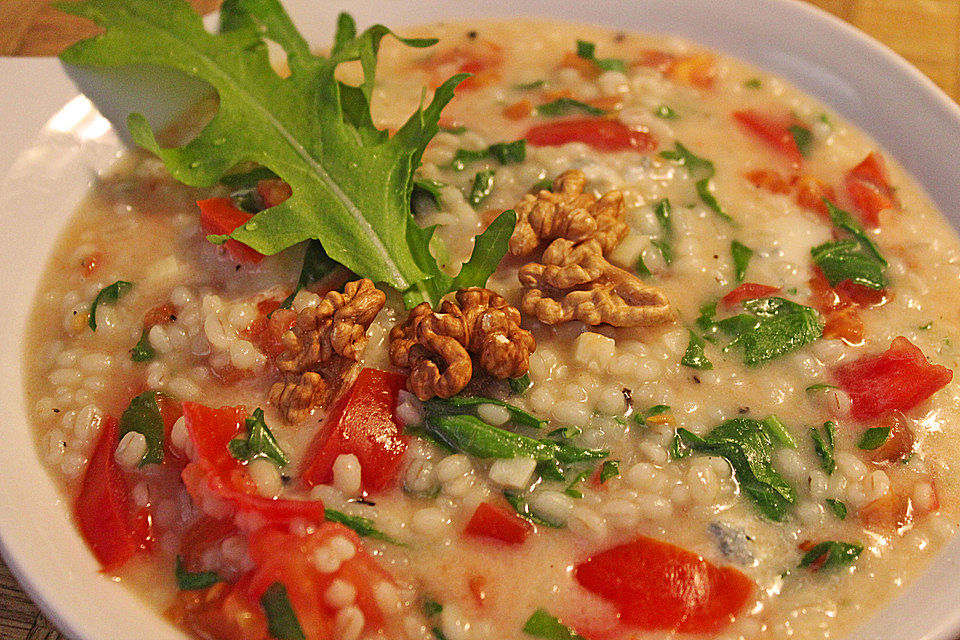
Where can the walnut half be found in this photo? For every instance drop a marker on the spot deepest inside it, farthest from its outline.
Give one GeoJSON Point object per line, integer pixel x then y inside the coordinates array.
{"type": "Point", "coordinates": [575, 282]}
{"type": "Point", "coordinates": [437, 346]}
{"type": "Point", "coordinates": [323, 347]}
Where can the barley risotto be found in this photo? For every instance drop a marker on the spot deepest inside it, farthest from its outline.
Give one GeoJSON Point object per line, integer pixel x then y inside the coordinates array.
{"type": "Point", "coordinates": [693, 379]}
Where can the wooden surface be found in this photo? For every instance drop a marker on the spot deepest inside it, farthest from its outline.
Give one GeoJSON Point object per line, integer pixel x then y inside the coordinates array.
{"type": "Point", "coordinates": [926, 32]}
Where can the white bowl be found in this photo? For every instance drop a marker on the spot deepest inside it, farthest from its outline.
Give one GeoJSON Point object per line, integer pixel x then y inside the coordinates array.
{"type": "Point", "coordinates": [53, 151]}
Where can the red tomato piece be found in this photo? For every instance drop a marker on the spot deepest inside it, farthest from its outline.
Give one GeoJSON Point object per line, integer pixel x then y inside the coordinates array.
{"type": "Point", "coordinates": [696, 70]}
{"type": "Point", "coordinates": [362, 422]}
{"type": "Point", "coordinates": [772, 131]}
{"type": "Point", "coordinates": [291, 560]}
{"type": "Point", "coordinates": [868, 184]}
{"type": "Point", "coordinates": [223, 611]}
{"type": "Point", "coordinates": [603, 134]}
{"type": "Point", "coordinates": [748, 291]}
{"type": "Point", "coordinates": [218, 216]}
{"type": "Point", "coordinates": [811, 193]}
{"type": "Point", "coordinates": [490, 521]}
{"type": "Point", "coordinates": [273, 192]}
{"type": "Point", "coordinates": [896, 380]}
{"type": "Point", "coordinates": [768, 180]}
{"type": "Point", "coordinates": [103, 509]}
{"type": "Point", "coordinates": [481, 58]}
{"type": "Point", "coordinates": [657, 585]}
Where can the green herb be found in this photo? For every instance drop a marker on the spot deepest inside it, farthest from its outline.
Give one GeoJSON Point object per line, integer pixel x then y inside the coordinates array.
{"type": "Point", "coordinates": [770, 328]}
{"type": "Point", "coordinates": [565, 433]}
{"type": "Point", "coordinates": [753, 83]}
{"type": "Point", "coordinates": [465, 404]}
{"type": "Point", "coordinates": [873, 438]}
{"type": "Point", "coordinates": [802, 137]}
{"type": "Point", "coordinates": [642, 268]}
{"type": "Point", "coordinates": [825, 119]}
{"type": "Point", "coordinates": [543, 625]}
{"type": "Point", "coordinates": [518, 386]}
{"type": "Point", "coordinates": [454, 130]}
{"type": "Point", "coordinates": [282, 620]}
{"type": "Point", "coordinates": [363, 526]}
{"type": "Point", "coordinates": [471, 435]}
{"type": "Point", "coordinates": [502, 152]}
{"type": "Point", "coordinates": [428, 189]}
{"type": "Point", "coordinates": [838, 554]}
{"type": "Point", "coordinates": [438, 633]}
{"type": "Point", "coordinates": [701, 171]}
{"type": "Point", "coordinates": [571, 489]}
{"type": "Point", "coordinates": [190, 581]}
{"type": "Point", "coordinates": [519, 504]}
{"type": "Point", "coordinates": [566, 106]}
{"type": "Point", "coordinates": [705, 321]}
{"type": "Point", "coordinates": [741, 259]}
{"type": "Point", "coordinates": [926, 326]}
{"type": "Point", "coordinates": [108, 295]}
{"type": "Point", "coordinates": [317, 265]}
{"type": "Point", "coordinates": [142, 351]}
{"type": "Point", "coordinates": [431, 607]}
{"type": "Point", "coordinates": [823, 445]}
{"type": "Point", "coordinates": [778, 430]}
{"type": "Point", "coordinates": [748, 446]}
{"type": "Point", "coordinates": [143, 416]}
{"type": "Point", "coordinates": [839, 509]}
{"type": "Point", "coordinates": [482, 186]}
{"type": "Point", "coordinates": [856, 259]}
{"type": "Point", "coordinates": [238, 179]}
{"type": "Point", "coordinates": [694, 356]}
{"type": "Point", "coordinates": [641, 417]}
{"type": "Point", "coordinates": [663, 212]}
{"type": "Point", "coordinates": [544, 184]}
{"type": "Point", "coordinates": [259, 443]}
{"type": "Point", "coordinates": [665, 112]}
{"type": "Point", "coordinates": [351, 182]}
{"type": "Point", "coordinates": [820, 386]}
{"type": "Point", "coordinates": [588, 51]}
{"type": "Point", "coordinates": [529, 86]}
{"type": "Point", "coordinates": [609, 469]}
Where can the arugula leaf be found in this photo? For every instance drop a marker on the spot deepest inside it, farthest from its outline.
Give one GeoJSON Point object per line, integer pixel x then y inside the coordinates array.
{"type": "Point", "coordinates": [194, 581]}
{"type": "Point", "coordinates": [642, 268]}
{"type": "Point", "coordinates": [142, 351]}
{"type": "Point", "coordinates": [873, 438]}
{"type": "Point", "coordinates": [502, 152]}
{"type": "Point", "coordinates": [571, 489]}
{"type": "Point", "coordinates": [609, 469]}
{"type": "Point", "coordinates": [518, 386]}
{"type": "Point", "coordinates": [482, 186]}
{"type": "Point", "coordinates": [543, 625]}
{"type": "Point", "coordinates": [544, 184]}
{"type": "Point", "coordinates": [429, 189]}
{"type": "Point", "coordinates": [701, 171]}
{"type": "Point", "coordinates": [431, 607]}
{"type": "Point", "coordinates": [778, 431]}
{"type": "Point", "coordinates": [694, 356]}
{"type": "Point", "coordinates": [839, 508]}
{"type": "Point", "coordinates": [317, 265]}
{"type": "Point", "coordinates": [351, 182]}
{"type": "Point", "coordinates": [588, 51]}
{"type": "Point", "coordinates": [108, 295]}
{"type": "Point", "coordinates": [363, 526]}
{"type": "Point", "coordinates": [802, 137]}
{"type": "Point", "coordinates": [529, 86]}
{"type": "Point", "coordinates": [748, 446]}
{"type": "Point", "coordinates": [519, 504]}
{"type": "Point", "coordinates": [823, 445]}
{"type": "Point", "coordinates": [259, 443]}
{"type": "Point", "coordinates": [770, 328]}
{"type": "Point", "coordinates": [665, 112]}
{"type": "Point", "coordinates": [856, 259]}
{"type": "Point", "coordinates": [464, 404]}
{"type": "Point", "coordinates": [143, 416]}
{"type": "Point", "coordinates": [820, 386]}
{"type": "Point", "coordinates": [282, 620]}
{"type": "Point", "coordinates": [663, 212]}
{"type": "Point", "coordinates": [741, 258]}
{"type": "Point", "coordinates": [566, 106]}
{"type": "Point", "coordinates": [837, 555]}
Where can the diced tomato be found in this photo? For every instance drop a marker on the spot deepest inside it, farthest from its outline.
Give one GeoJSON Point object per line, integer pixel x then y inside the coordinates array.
{"type": "Point", "coordinates": [225, 477]}
{"type": "Point", "coordinates": [223, 611]}
{"type": "Point", "coordinates": [811, 193]}
{"type": "Point", "coordinates": [868, 184]}
{"type": "Point", "coordinates": [90, 264]}
{"type": "Point", "coordinates": [768, 180]}
{"type": "Point", "coordinates": [291, 560]}
{"type": "Point", "coordinates": [657, 585]}
{"type": "Point", "coordinates": [896, 380]}
{"type": "Point", "coordinates": [585, 67]}
{"type": "Point", "coordinates": [656, 59]}
{"type": "Point", "coordinates": [518, 110]}
{"type": "Point", "coordinates": [362, 423]}
{"type": "Point", "coordinates": [218, 216]}
{"type": "Point", "coordinates": [840, 312]}
{"type": "Point", "coordinates": [481, 58]}
{"type": "Point", "coordinates": [273, 192]}
{"type": "Point", "coordinates": [602, 134]}
{"type": "Point", "coordinates": [266, 331]}
{"type": "Point", "coordinates": [607, 103]}
{"type": "Point", "coordinates": [900, 443]}
{"type": "Point", "coordinates": [772, 131]}
{"type": "Point", "coordinates": [161, 314]}
{"type": "Point", "coordinates": [748, 291]}
{"type": "Point", "coordinates": [104, 513]}
{"type": "Point", "coordinates": [478, 589]}
{"type": "Point", "coordinates": [496, 523]}
{"type": "Point", "coordinates": [205, 534]}
{"type": "Point", "coordinates": [696, 70]}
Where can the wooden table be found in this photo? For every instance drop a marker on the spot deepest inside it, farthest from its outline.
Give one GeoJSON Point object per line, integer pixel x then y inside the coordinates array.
{"type": "Point", "coordinates": [926, 32]}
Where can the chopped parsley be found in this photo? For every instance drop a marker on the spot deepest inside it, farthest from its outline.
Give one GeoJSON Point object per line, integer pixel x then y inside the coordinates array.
{"type": "Point", "coordinates": [701, 171]}
{"type": "Point", "coordinates": [694, 357]}
{"type": "Point", "coordinates": [830, 555]}
{"type": "Point", "coordinates": [259, 443]}
{"type": "Point", "coordinates": [565, 106]}
{"type": "Point", "coordinates": [873, 438]}
{"type": "Point", "coordinates": [142, 351]}
{"type": "Point", "coordinates": [108, 295]}
{"type": "Point", "coordinates": [143, 416]}
{"type": "Point", "coordinates": [770, 328]}
{"type": "Point", "coordinates": [839, 508]}
{"type": "Point", "coordinates": [856, 259]}
{"type": "Point", "coordinates": [823, 445]}
{"type": "Point", "coordinates": [543, 625]}
{"type": "Point", "coordinates": [741, 259]}
{"type": "Point", "coordinates": [282, 620]}
{"type": "Point", "coordinates": [588, 51]}
{"type": "Point", "coordinates": [482, 186]}
{"type": "Point", "coordinates": [194, 581]}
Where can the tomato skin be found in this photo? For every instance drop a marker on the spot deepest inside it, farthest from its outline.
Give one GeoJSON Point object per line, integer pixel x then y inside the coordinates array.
{"type": "Point", "coordinates": [748, 291]}
{"type": "Point", "coordinates": [602, 134]}
{"type": "Point", "coordinates": [103, 509]}
{"type": "Point", "coordinates": [768, 181]}
{"type": "Point", "coordinates": [496, 523]}
{"type": "Point", "coordinates": [773, 132]}
{"type": "Point", "coordinates": [896, 380]}
{"type": "Point", "coordinates": [218, 216]}
{"type": "Point", "coordinates": [657, 585]}
{"type": "Point", "coordinates": [362, 422]}
{"type": "Point", "coordinates": [868, 184]}
{"type": "Point", "coordinates": [223, 611]}
{"type": "Point", "coordinates": [811, 193]}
